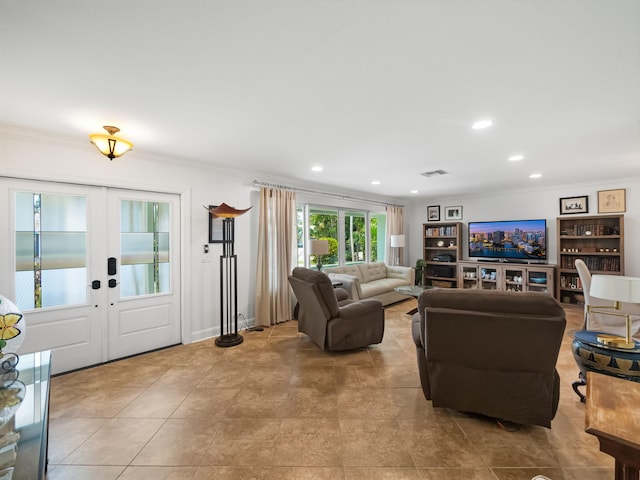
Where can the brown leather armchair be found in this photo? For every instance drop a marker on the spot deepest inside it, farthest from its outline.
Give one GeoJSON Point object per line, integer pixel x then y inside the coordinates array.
{"type": "Point", "coordinates": [490, 352]}
{"type": "Point", "coordinates": [334, 325]}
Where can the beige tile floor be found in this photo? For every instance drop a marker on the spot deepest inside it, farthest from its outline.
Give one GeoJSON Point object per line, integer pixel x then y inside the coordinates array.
{"type": "Point", "coordinates": [277, 407]}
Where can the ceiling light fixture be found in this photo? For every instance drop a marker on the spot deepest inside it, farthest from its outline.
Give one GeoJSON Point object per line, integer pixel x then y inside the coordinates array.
{"type": "Point", "coordinates": [110, 145]}
{"type": "Point", "coordinates": [535, 175]}
{"type": "Point", "coordinates": [413, 191]}
{"type": "Point", "coordinates": [482, 124]}
{"type": "Point", "coordinates": [317, 168]}
{"type": "Point", "coordinates": [375, 182]}
{"type": "Point", "coordinates": [516, 158]}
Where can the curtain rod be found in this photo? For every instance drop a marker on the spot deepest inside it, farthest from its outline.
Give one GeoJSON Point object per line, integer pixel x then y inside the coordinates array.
{"type": "Point", "coordinates": [325, 194]}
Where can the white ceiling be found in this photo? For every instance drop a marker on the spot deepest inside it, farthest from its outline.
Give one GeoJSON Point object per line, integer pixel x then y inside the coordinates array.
{"type": "Point", "coordinates": [369, 89]}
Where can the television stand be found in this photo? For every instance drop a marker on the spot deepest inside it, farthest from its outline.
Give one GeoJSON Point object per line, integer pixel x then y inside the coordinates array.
{"type": "Point", "coordinates": [507, 276]}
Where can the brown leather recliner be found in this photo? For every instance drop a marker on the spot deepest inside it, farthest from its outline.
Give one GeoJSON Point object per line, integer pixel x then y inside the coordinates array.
{"type": "Point", "coordinates": [490, 352]}
{"type": "Point", "coordinates": [334, 325]}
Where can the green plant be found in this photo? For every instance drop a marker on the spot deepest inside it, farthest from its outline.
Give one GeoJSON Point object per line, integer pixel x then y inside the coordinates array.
{"type": "Point", "coordinates": [420, 264]}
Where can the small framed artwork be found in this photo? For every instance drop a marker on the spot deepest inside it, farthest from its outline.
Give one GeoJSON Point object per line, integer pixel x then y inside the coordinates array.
{"type": "Point", "coordinates": [433, 213]}
{"type": "Point", "coordinates": [570, 205]}
{"type": "Point", "coordinates": [215, 227]}
{"type": "Point", "coordinates": [453, 213]}
{"type": "Point", "coordinates": [612, 201]}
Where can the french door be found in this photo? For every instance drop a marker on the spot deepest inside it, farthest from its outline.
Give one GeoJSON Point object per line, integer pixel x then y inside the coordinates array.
{"type": "Point", "coordinates": [95, 270]}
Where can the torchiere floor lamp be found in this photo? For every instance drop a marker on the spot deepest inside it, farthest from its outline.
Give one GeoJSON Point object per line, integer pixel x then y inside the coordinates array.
{"type": "Point", "coordinates": [229, 335]}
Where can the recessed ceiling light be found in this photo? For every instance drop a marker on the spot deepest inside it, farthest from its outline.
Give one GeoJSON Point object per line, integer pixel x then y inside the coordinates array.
{"type": "Point", "coordinates": [375, 182]}
{"type": "Point", "coordinates": [481, 124]}
{"type": "Point", "coordinates": [516, 158]}
{"type": "Point", "coordinates": [535, 175]}
{"type": "Point", "coordinates": [317, 168]}
{"type": "Point", "coordinates": [414, 191]}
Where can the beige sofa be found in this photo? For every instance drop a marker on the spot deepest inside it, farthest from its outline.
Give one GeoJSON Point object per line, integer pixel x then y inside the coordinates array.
{"type": "Point", "coordinates": [372, 280]}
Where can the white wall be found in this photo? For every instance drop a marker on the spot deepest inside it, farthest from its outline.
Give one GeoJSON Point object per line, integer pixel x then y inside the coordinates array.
{"type": "Point", "coordinates": [530, 204]}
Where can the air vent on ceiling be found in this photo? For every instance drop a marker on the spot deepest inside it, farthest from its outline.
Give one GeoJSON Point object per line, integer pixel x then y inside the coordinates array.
{"type": "Point", "coordinates": [433, 173]}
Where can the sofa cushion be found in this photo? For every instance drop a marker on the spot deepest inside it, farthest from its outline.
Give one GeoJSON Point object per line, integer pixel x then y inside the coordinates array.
{"type": "Point", "coordinates": [345, 269]}
{"type": "Point", "coordinates": [372, 271]}
{"type": "Point", "coordinates": [378, 287]}
{"type": "Point", "coordinates": [353, 270]}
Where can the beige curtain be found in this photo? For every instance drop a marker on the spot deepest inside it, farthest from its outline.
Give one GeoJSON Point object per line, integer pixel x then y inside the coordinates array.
{"type": "Point", "coordinates": [395, 226]}
{"type": "Point", "coordinates": [276, 255]}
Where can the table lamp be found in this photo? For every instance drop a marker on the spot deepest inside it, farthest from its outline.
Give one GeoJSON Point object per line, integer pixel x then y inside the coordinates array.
{"type": "Point", "coordinates": [619, 289]}
{"type": "Point", "coordinates": [318, 248]}
{"type": "Point", "coordinates": [397, 241]}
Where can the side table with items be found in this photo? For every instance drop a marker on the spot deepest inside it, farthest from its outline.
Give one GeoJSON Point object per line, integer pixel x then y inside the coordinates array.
{"type": "Point", "coordinates": [24, 417]}
{"type": "Point", "coordinates": [613, 417]}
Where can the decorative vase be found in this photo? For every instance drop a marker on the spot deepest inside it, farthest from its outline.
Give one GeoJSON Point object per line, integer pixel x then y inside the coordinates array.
{"type": "Point", "coordinates": [12, 326]}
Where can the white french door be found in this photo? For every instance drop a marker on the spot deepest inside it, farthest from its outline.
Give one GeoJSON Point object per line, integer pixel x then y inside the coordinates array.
{"type": "Point", "coordinates": [95, 271]}
{"type": "Point", "coordinates": [143, 271]}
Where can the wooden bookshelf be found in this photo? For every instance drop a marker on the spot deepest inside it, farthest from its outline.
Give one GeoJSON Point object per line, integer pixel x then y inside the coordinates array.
{"type": "Point", "coordinates": [441, 252]}
{"type": "Point", "coordinates": [598, 241]}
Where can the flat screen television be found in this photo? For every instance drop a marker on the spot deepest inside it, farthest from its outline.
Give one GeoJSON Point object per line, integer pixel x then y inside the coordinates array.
{"type": "Point", "coordinates": [509, 240]}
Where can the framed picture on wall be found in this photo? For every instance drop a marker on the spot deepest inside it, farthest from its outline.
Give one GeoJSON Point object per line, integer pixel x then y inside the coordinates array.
{"type": "Point", "coordinates": [569, 205]}
{"type": "Point", "coordinates": [453, 213]}
{"type": "Point", "coordinates": [215, 227]}
{"type": "Point", "coordinates": [433, 213]}
{"type": "Point", "coordinates": [612, 201]}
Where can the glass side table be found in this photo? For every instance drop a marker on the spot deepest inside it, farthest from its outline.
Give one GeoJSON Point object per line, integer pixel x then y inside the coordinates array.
{"type": "Point", "coordinates": [23, 435]}
{"type": "Point", "coordinates": [415, 291]}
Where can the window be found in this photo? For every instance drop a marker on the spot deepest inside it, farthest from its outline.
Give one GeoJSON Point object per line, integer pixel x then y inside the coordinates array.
{"type": "Point", "coordinates": [323, 225]}
{"type": "Point", "coordinates": [354, 236]}
{"type": "Point", "coordinates": [144, 243]}
{"type": "Point", "coordinates": [377, 230]}
{"type": "Point", "coordinates": [51, 246]}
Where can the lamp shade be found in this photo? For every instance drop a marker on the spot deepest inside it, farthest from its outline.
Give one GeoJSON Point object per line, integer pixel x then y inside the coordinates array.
{"type": "Point", "coordinates": [319, 247]}
{"type": "Point", "coordinates": [110, 145]}
{"type": "Point", "coordinates": [225, 211]}
{"type": "Point", "coordinates": [615, 287]}
{"type": "Point", "coordinates": [397, 241]}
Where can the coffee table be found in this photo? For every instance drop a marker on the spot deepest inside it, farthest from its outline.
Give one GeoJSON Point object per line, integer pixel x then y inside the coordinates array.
{"type": "Point", "coordinates": [414, 291]}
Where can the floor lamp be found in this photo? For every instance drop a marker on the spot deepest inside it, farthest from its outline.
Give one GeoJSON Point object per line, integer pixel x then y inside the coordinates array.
{"type": "Point", "coordinates": [229, 335]}
{"type": "Point", "coordinates": [397, 242]}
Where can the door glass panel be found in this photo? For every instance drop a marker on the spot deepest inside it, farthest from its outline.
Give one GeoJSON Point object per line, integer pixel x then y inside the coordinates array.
{"type": "Point", "coordinates": [50, 250]}
{"type": "Point", "coordinates": [144, 248]}
{"type": "Point", "coordinates": [66, 286]}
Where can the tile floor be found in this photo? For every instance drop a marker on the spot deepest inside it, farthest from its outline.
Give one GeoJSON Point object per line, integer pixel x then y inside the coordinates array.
{"type": "Point", "coordinates": [276, 407]}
